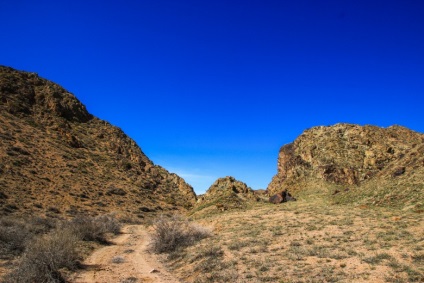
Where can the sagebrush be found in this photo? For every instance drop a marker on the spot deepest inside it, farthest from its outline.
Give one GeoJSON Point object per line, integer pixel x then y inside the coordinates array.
{"type": "Point", "coordinates": [16, 233]}
{"type": "Point", "coordinates": [46, 256]}
{"type": "Point", "coordinates": [173, 232]}
{"type": "Point", "coordinates": [95, 228]}
{"type": "Point", "coordinates": [49, 250]}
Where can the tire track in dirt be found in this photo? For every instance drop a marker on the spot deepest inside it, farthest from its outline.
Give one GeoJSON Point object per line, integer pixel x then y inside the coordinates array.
{"type": "Point", "coordinates": [127, 260]}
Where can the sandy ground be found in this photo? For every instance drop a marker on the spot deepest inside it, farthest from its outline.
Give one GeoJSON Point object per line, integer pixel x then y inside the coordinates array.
{"type": "Point", "coordinates": [127, 260]}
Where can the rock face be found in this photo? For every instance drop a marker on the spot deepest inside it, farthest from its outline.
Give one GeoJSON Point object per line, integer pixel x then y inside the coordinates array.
{"type": "Point", "coordinates": [227, 193]}
{"type": "Point", "coordinates": [56, 158]}
{"type": "Point", "coordinates": [346, 155]}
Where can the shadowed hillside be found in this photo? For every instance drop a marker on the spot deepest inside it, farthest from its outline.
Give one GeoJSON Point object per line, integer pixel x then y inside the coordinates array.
{"type": "Point", "coordinates": [371, 165]}
{"type": "Point", "coordinates": [58, 159]}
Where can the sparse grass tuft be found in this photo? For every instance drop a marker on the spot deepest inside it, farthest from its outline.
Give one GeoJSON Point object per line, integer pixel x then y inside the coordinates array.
{"type": "Point", "coordinates": [118, 259]}
{"type": "Point", "coordinates": [418, 257]}
{"type": "Point", "coordinates": [130, 280]}
{"type": "Point", "coordinates": [377, 259]}
{"type": "Point", "coordinates": [237, 245]}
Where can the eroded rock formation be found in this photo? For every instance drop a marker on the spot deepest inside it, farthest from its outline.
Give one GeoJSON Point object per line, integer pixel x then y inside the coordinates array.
{"type": "Point", "coordinates": [352, 156]}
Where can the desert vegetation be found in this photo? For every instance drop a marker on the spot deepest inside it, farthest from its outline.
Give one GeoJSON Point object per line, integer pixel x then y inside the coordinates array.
{"type": "Point", "coordinates": [58, 160]}
{"type": "Point", "coordinates": [306, 241]}
{"type": "Point", "coordinates": [359, 215]}
{"type": "Point", "coordinates": [47, 250]}
{"type": "Point", "coordinates": [173, 233]}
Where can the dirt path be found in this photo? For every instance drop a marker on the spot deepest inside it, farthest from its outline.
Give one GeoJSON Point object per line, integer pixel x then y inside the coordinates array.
{"type": "Point", "coordinates": [125, 261]}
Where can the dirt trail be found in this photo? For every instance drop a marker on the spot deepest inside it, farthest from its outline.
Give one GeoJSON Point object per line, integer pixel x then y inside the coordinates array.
{"type": "Point", "coordinates": [127, 260]}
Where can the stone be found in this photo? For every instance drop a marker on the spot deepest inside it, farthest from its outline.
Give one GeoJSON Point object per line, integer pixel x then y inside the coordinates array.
{"type": "Point", "coordinates": [399, 171]}
{"type": "Point", "coordinates": [284, 196]}
{"type": "Point", "coordinates": [276, 199]}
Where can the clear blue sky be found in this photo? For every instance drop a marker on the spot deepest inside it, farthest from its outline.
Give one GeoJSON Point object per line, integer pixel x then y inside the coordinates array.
{"type": "Point", "coordinates": [214, 88]}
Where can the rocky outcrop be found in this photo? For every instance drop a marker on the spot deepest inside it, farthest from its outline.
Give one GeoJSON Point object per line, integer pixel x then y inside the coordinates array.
{"type": "Point", "coordinates": [348, 155]}
{"type": "Point", "coordinates": [57, 158]}
{"type": "Point", "coordinates": [27, 93]}
{"type": "Point", "coordinates": [284, 196]}
{"type": "Point", "coordinates": [227, 193]}
{"type": "Point", "coordinates": [229, 185]}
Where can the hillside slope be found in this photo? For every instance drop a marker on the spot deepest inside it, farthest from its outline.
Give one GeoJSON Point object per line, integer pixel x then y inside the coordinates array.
{"type": "Point", "coordinates": [380, 166]}
{"type": "Point", "coordinates": [56, 158]}
{"type": "Point", "coordinates": [224, 194]}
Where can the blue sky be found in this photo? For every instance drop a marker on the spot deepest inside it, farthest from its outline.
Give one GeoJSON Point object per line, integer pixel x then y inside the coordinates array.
{"type": "Point", "coordinates": [214, 88]}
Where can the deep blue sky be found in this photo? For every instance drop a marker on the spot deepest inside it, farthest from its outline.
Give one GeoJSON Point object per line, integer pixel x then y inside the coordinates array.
{"type": "Point", "coordinates": [214, 88]}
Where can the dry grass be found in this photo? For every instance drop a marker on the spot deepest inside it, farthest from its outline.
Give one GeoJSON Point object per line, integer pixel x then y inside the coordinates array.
{"type": "Point", "coordinates": [49, 249]}
{"type": "Point", "coordinates": [173, 232]}
{"type": "Point", "coordinates": [307, 242]}
{"type": "Point", "coordinates": [118, 259]}
{"type": "Point", "coordinates": [46, 257]}
{"type": "Point", "coordinates": [16, 232]}
{"type": "Point", "coordinates": [95, 228]}
{"type": "Point", "coordinates": [57, 165]}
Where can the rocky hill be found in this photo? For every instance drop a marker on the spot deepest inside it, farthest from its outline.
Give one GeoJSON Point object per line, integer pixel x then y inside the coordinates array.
{"type": "Point", "coordinates": [58, 159]}
{"type": "Point", "coordinates": [372, 165]}
{"type": "Point", "coordinates": [226, 193]}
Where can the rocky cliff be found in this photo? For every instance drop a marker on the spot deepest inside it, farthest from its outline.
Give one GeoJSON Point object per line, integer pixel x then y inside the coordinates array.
{"type": "Point", "coordinates": [226, 193]}
{"type": "Point", "coordinates": [376, 165]}
{"type": "Point", "coordinates": [57, 158]}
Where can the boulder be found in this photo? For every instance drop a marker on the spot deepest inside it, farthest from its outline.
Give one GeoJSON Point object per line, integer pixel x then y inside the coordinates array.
{"type": "Point", "coordinates": [284, 196]}
{"type": "Point", "coordinates": [276, 199]}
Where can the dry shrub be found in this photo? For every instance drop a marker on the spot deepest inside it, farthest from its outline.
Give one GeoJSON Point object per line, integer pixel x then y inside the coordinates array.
{"type": "Point", "coordinates": [40, 225]}
{"type": "Point", "coordinates": [95, 228]}
{"type": "Point", "coordinates": [15, 233]}
{"type": "Point", "coordinates": [131, 279]}
{"type": "Point", "coordinates": [171, 233]}
{"type": "Point", "coordinates": [109, 224]}
{"type": "Point", "coordinates": [13, 237]}
{"type": "Point", "coordinates": [118, 259]}
{"type": "Point", "coordinates": [49, 248]}
{"type": "Point", "coordinates": [46, 257]}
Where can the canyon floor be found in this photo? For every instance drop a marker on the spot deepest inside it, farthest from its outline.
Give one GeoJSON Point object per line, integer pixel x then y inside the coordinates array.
{"type": "Point", "coordinates": [127, 259]}
{"type": "Point", "coordinates": [304, 241]}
